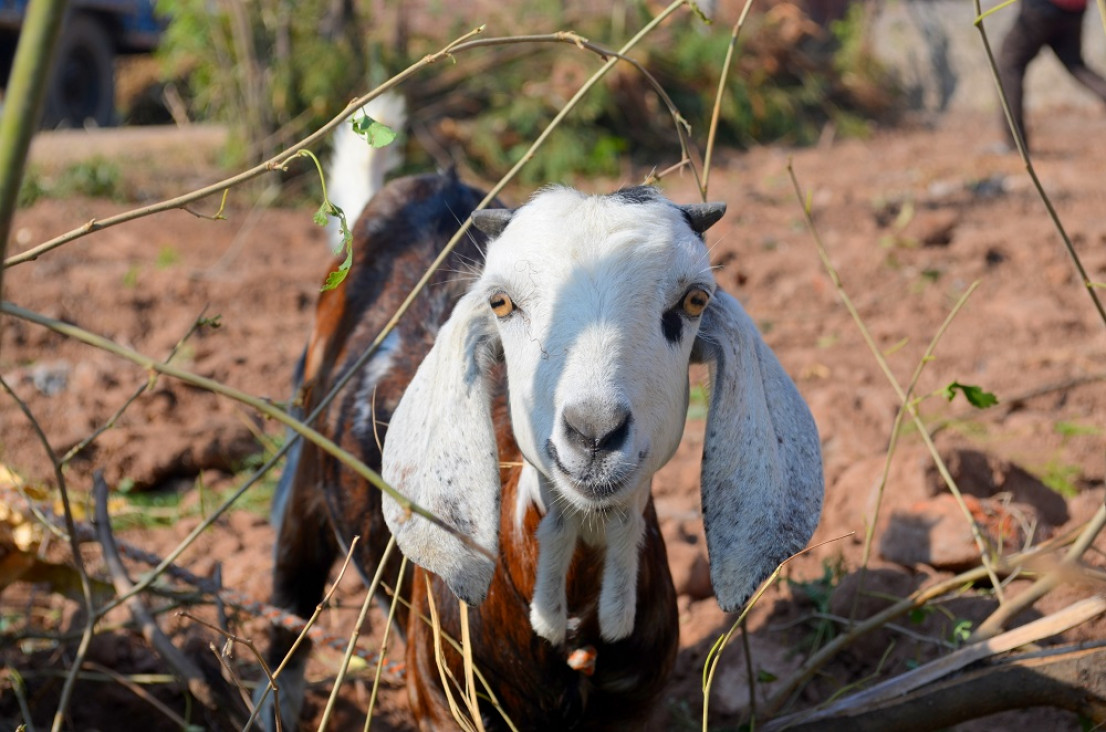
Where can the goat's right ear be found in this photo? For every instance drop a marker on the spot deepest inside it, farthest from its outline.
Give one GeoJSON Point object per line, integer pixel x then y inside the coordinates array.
{"type": "Point", "coordinates": [492, 221]}
{"type": "Point", "coordinates": [441, 452]}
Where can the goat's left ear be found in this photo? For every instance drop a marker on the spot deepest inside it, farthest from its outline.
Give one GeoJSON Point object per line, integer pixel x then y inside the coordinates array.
{"type": "Point", "coordinates": [762, 464]}
{"type": "Point", "coordinates": [440, 451]}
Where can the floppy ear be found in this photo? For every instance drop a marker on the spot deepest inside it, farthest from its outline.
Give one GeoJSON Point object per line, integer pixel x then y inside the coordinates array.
{"type": "Point", "coordinates": [441, 452]}
{"type": "Point", "coordinates": [762, 463]}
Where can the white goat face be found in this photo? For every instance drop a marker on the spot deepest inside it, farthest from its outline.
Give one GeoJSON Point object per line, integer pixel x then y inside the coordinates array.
{"type": "Point", "coordinates": [597, 319]}
{"type": "Point", "coordinates": [597, 304]}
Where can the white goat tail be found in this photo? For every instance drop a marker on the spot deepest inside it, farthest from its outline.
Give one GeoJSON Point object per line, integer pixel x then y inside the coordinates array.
{"type": "Point", "coordinates": [356, 170]}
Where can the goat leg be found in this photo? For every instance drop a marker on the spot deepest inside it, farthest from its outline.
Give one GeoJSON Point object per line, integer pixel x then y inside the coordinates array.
{"type": "Point", "coordinates": [556, 545]}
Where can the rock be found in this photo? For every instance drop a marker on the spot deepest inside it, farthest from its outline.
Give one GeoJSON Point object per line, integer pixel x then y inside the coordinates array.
{"type": "Point", "coordinates": [937, 533]}
{"type": "Point", "coordinates": [934, 228]}
{"type": "Point", "coordinates": [51, 378]}
{"type": "Point", "coordinates": [851, 498]}
{"type": "Point", "coordinates": [979, 474]}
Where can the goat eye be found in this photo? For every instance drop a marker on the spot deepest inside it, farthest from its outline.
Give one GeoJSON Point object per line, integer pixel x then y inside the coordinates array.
{"type": "Point", "coordinates": [695, 302]}
{"type": "Point", "coordinates": [502, 305]}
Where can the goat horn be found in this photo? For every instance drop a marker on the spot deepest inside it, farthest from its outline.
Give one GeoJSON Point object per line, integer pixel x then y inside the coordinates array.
{"type": "Point", "coordinates": [492, 221]}
{"type": "Point", "coordinates": [702, 216]}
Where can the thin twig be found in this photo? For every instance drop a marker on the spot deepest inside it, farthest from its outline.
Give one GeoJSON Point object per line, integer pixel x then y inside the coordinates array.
{"type": "Point", "coordinates": [384, 640]}
{"type": "Point", "coordinates": [896, 432]}
{"type": "Point", "coordinates": [444, 673]}
{"type": "Point", "coordinates": [1073, 615]}
{"type": "Point", "coordinates": [281, 160]}
{"type": "Point", "coordinates": [19, 689]}
{"type": "Point", "coordinates": [916, 599]}
{"type": "Point", "coordinates": [716, 113]}
{"type": "Point", "coordinates": [356, 633]}
{"type": "Point", "coordinates": [261, 405]}
{"type": "Point", "coordinates": [710, 665]}
{"type": "Point", "coordinates": [456, 645]}
{"type": "Point", "coordinates": [275, 163]}
{"type": "Point", "coordinates": [1088, 284]}
{"type": "Point", "coordinates": [1002, 615]}
{"type": "Point", "coordinates": [149, 384]}
{"type": "Point", "coordinates": [137, 690]}
{"type": "Point", "coordinates": [180, 664]}
{"type": "Point", "coordinates": [942, 469]}
{"type": "Point", "coordinates": [466, 657]}
{"type": "Point", "coordinates": [78, 560]}
{"type": "Point", "coordinates": [272, 677]}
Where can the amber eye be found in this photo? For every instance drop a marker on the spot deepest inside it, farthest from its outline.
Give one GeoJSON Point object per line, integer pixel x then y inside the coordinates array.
{"type": "Point", "coordinates": [695, 302]}
{"type": "Point", "coordinates": [502, 305]}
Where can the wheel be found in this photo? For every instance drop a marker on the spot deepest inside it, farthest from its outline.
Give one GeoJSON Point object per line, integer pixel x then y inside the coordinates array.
{"type": "Point", "coordinates": [82, 87]}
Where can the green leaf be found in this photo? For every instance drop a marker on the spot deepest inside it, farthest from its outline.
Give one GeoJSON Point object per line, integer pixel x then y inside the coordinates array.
{"type": "Point", "coordinates": [338, 276]}
{"type": "Point", "coordinates": [975, 395]}
{"type": "Point", "coordinates": [766, 677]}
{"type": "Point", "coordinates": [961, 631]}
{"type": "Point", "coordinates": [320, 216]}
{"type": "Point", "coordinates": [375, 133]}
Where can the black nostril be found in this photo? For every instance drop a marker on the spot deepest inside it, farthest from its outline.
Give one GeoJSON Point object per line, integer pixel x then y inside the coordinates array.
{"type": "Point", "coordinates": [597, 430]}
{"type": "Point", "coordinates": [614, 439]}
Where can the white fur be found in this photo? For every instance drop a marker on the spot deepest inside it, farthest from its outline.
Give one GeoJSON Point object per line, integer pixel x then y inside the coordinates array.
{"type": "Point", "coordinates": [380, 363]}
{"type": "Point", "coordinates": [591, 277]}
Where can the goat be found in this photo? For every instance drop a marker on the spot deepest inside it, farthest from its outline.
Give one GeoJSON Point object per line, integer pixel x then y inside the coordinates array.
{"type": "Point", "coordinates": [529, 412]}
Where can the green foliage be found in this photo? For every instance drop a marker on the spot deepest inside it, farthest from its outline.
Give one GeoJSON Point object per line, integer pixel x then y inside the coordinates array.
{"type": "Point", "coordinates": [1074, 429]}
{"type": "Point", "coordinates": [975, 395]}
{"type": "Point", "coordinates": [31, 189]}
{"type": "Point", "coordinates": [698, 402]}
{"type": "Point", "coordinates": [961, 631]}
{"type": "Point", "coordinates": [329, 210]}
{"type": "Point", "coordinates": [167, 256]}
{"type": "Point", "coordinates": [766, 677]}
{"type": "Point", "coordinates": [275, 73]}
{"type": "Point", "coordinates": [96, 177]}
{"type": "Point", "coordinates": [130, 277]}
{"type": "Point", "coordinates": [819, 592]}
{"type": "Point", "coordinates": [270, 68]}
{"type": "Point", "coordinates": [1061, 477]}
{"type": "Point", "coordinates": [376, 134]}
{"type": "Point", "coordinates": [166, 508]}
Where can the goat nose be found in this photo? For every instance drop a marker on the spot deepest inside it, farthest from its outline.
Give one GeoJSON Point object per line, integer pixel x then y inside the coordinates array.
{"type": "Point", "coordinates": [596, 429]}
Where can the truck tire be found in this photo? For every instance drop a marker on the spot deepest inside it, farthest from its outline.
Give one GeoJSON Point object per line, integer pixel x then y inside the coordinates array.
{"type": "Point", "coordinates": [82, 87]}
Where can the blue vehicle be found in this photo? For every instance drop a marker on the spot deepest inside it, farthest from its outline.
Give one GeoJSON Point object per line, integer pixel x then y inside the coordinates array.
{"type": "Point", "coordinates": [82, 87]}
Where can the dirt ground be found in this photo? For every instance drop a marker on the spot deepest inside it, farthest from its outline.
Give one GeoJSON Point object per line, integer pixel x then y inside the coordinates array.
{"type": "Point", "coordinates": [912, 218]}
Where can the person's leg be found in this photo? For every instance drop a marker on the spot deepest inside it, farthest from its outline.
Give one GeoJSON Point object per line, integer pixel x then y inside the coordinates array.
{"type": "Point", "coordinates": [1028, 35]}
{"type": "Point", "coordinates": [1067, 44]}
